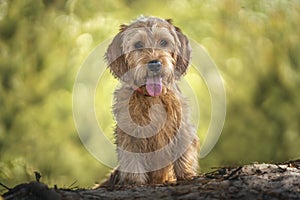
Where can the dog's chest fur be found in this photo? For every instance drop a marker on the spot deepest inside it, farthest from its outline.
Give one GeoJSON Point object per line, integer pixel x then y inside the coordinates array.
{"type": "Point", "coordinates": [161, 113]}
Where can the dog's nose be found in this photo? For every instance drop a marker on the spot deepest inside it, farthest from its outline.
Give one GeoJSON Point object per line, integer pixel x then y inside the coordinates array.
{"type": "Point", "coordinates": [154, 65]}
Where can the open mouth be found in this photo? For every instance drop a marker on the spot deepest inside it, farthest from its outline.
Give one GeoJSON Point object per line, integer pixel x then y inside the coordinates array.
{"type": "Point", "coordinates": [154, 85]}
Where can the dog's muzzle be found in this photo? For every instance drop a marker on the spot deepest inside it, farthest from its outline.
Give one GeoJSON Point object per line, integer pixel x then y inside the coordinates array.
{"type": "Point", "coordinates": [154, 80]}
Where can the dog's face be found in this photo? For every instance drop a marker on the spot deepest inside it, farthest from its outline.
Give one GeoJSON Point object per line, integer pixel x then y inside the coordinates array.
{"type": "Point", "coordinates": [149, 52]}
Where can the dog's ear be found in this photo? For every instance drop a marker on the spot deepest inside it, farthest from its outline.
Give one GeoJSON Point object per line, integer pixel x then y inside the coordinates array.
{"type": "Point", "coordinates": [184, 54]}
{"type": "Point", "coordinates": [115, 56]}
{"type": "Point", "coordinates": [183, 51]}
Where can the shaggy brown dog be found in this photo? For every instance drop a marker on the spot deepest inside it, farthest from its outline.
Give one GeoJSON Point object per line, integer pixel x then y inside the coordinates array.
{"type": "Point", "coordinates": [156, 142]}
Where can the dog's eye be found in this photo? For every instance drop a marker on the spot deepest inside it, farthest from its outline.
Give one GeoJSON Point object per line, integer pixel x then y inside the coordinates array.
{"type": "Point", "coordinates": [163, 43]}
{"type": "Point", "coordinates": [138, 45]}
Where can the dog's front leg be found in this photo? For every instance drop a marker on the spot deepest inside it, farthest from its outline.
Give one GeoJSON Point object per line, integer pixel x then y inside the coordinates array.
{"type": "Point", "coordinates": [186, 166]}
{"type": "Point", "coordinates": [131, 169]}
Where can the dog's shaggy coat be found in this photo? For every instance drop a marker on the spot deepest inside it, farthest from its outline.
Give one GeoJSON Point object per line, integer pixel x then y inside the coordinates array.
{"type": "Point", "coordinates": [155, 139]}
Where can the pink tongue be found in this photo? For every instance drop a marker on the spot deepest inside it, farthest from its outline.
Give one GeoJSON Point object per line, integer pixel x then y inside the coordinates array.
{"type": "Point", "coordinates": [154, 85]}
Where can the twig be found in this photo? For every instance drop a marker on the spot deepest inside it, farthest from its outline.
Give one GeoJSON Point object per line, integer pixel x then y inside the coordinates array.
{"type": "Point", "coordinates": [37, 176]}
{"type": "Point", "coordinates": [70, 186]}
{"type": "Point", "coordinates": [5, 186]}
{"type": "Point", "coordinates": [233, 173]}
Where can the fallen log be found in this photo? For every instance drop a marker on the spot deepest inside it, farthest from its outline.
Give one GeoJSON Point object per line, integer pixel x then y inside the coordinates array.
{"type": "Point", "coordinates": [254, 181]}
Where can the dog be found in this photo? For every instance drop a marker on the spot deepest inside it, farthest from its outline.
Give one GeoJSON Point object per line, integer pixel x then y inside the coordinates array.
{"type": "Point", "coordinates": [156, 141]}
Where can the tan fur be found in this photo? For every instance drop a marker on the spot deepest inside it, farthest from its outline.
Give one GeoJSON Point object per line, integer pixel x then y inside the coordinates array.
{"type": "Point", "coordinates": [171, 124]}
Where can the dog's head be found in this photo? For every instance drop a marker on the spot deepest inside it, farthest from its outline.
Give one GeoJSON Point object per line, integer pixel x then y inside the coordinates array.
{"type": "Point", "coordinates": [150, 52]}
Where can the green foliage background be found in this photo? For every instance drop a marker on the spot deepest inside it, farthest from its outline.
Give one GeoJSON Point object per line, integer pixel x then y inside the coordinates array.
{"type": "Point", "coordinates": [255, 44]}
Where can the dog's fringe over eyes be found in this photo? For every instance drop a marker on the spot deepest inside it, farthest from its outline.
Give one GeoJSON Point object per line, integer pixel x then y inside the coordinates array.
{"type": "Point", "coordinates": [156, 142]}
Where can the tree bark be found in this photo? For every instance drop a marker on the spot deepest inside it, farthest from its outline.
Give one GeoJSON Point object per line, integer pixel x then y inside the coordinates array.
{"type": "Point", "coordinates": [255, 181]}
